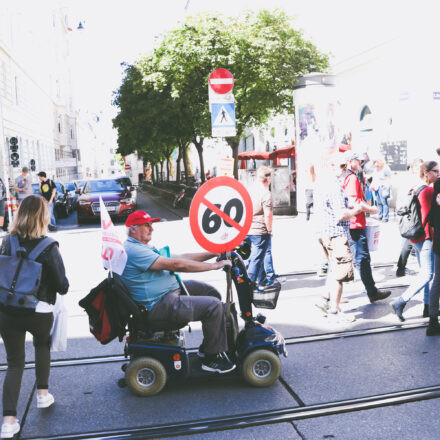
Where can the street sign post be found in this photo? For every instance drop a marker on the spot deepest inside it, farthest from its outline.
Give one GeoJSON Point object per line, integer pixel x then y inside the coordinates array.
{"type": "Point", "coordinates": [221, 103]}
{"type": "Point", "coordinates": [221, 214]}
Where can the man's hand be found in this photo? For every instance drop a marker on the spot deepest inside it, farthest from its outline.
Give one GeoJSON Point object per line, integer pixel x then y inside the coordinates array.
{"type": "Point", "coordinates": [221, 264]}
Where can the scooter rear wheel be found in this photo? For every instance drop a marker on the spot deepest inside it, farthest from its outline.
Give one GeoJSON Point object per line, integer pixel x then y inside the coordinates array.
{"type": "Point", "coordinates": [261, 368]}
{"type": "Point", "coordinates": [145, 376]}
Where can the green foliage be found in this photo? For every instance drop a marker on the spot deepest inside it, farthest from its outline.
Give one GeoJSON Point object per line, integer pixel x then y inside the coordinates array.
{"type": "Point", "coordinates": [163, 100]}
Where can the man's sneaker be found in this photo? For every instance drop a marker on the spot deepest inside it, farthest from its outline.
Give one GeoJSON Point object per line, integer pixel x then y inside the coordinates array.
{"type": "Point", "coordinates": [281, 280]}
{"type": "Point", "coordinates": [219, 363]}
{"type": "Point", "coordinates": [201, 351]}
{"type": "Point", "coordinates": [44, 401]}
{"type": "Point", "coordinates": [322, 272]}
{"type": "Point", "coordinates": [323, 306]}
{"type": "Point", "coordinates": [379, 295]}
{"type": "Point", "coordinates": [10, 429]}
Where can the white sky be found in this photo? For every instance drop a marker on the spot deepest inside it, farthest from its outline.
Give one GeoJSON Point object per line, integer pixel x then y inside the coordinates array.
{"type": "Point", "coordinates": [117, 30]}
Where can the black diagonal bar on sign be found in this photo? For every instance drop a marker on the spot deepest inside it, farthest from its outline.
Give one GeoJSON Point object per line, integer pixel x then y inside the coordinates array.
{"type": "Point", "coordinates": [222, 215]}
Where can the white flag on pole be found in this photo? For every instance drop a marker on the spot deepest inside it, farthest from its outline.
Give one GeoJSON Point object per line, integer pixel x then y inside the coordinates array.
{"type": "Point", "coordinates": [113, 254]}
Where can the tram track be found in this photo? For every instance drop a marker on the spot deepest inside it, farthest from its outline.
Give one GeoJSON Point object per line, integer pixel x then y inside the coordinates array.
{"type": "Point", "coordinates": [320, 337]}
{"type": "Point", "coordinates": [248, 420]}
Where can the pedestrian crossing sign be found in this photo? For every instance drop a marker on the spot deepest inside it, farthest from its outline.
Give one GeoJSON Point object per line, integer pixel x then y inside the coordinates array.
{"type": "Point", "coordinates": [223, 119]}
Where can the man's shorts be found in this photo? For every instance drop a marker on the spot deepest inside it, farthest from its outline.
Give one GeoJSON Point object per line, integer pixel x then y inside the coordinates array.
{"type": "Point", "coordinates": [2, 207]}
{"type": "Point", "coordinates": [339, 256]}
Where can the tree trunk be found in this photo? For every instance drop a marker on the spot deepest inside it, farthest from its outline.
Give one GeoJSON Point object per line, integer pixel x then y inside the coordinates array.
{"type": "Point", "coordinates": [161, 171]}
{"type": "Point", "coordinates": [168, 169]}
{"type": "Point", "coordinates": [178, 163]}
{"type": "Point", "coordinates": [233, 143]}
{"type": "Point", "coordinates": [199, 147]}
{"type": "Point", "coordinates": [156, 168]}
{"type": "Point", "coordinates": [187, 164]}
{"type": "Point", "coordinates": [153, 174]}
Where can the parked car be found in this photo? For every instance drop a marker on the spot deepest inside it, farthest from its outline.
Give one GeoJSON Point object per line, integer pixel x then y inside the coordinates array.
{"type": "Point", "coordinates": [36, 189]}
{"type": "Point", "coordinates": [72, 187]}
{"type": "Point", "coordinates": [64, 203]}
{"type": "Point", "coordinates": [117, 197]}
{"type": "Point", "coordinates": [80, 183]}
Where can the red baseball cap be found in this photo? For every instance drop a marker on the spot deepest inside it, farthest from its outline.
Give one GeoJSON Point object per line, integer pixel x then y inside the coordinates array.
{"type": "Point", "coordinates": [139, 218]}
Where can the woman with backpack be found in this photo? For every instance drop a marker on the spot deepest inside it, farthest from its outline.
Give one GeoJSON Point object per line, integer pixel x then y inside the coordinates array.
{"type": "Point", "coordinates": [429, 172]}
{"type": "Point", "coordinates": [30, 228]}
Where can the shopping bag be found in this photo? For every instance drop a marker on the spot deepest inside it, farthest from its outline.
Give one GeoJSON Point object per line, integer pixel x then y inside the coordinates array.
{"type": "Point", "coordinates": [59, 327]}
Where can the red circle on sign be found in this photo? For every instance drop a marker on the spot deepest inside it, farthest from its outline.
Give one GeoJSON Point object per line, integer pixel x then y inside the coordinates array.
{"type": "Point", "coordinates": [200, 199]}
{"type": "Point", "coordinates": [221, 81]}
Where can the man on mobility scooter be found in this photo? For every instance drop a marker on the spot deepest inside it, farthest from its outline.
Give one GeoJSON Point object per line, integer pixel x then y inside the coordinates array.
{"type": "Point", "coordinates": [150, 281]}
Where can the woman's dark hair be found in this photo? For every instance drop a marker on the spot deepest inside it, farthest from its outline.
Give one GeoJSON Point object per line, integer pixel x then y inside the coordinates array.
{"type": "Point", "coordinates": [426, 167]}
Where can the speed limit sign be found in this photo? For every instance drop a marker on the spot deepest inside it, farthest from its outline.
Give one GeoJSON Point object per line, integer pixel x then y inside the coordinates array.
{"type": "Point", "coordinates": [221, 214]}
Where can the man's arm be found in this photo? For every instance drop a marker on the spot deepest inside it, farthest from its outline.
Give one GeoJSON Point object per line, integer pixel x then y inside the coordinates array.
{"type": "Point", "coordinates": [39, 188]}
{"type": "Point", "coordinates": [183, 265]}
{"type": "Point", "coordinates": [54, 190]}
{"type": "Point", "coordinates": [195, 256]}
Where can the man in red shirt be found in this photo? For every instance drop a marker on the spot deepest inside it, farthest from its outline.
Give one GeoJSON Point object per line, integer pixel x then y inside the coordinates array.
{"type": "Point", "coordinates": [359, 245]}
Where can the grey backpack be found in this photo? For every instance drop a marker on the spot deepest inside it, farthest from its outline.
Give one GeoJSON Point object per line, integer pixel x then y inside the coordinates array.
{"type": "Point", "coordinates": [20, 276]}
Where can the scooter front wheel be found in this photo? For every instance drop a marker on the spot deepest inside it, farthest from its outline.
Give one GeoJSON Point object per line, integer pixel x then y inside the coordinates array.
{"type": "Point", "coordinates": [145, 376]}
{"type": "Point", "coordinates": [261, 368]}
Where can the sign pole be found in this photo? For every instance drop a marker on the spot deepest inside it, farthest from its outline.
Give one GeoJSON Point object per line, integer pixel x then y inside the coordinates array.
{"type": "Point", "coordinates": [5, 166]}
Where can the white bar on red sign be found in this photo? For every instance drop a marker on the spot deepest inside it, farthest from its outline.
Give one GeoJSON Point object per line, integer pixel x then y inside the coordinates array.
{"type": "Point", "coordinates": [221, 80]}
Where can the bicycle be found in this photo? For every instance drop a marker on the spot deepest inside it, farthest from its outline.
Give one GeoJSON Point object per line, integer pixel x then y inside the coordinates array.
{"type": "Point", "coordinates": [179, 197]}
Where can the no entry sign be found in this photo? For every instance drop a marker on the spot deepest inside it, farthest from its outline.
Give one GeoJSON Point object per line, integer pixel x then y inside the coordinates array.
{"type": "Point", "coordinates": [221, 81]}
{"type": "Point", "coordinates": [221, 214]}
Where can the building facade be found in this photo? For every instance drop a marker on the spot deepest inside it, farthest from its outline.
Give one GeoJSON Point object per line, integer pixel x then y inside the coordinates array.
{"type": "Point", "coordinates": [35, 89]}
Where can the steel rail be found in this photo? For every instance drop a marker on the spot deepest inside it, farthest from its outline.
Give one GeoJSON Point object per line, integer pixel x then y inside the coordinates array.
{"type": "Point", "coordinates": [311, 272]}
{"type": "Point", "coordinates": [249, 420]}
{"type": "Point", "coordinates": [289, 341]}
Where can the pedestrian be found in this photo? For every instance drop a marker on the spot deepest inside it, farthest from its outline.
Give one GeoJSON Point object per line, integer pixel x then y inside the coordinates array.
{"type": "Point", "coordinates": [309, 183]}
{"type": "Point", "coordinates": [2, 206]}
{"type": "Point", "coordinates": [381, 185]}
{"type": "Point", "coordinates": [333, 214]}
{"type": "Point", "coordinates": [359, 245]}
{"type": "Point", "coordinates": [48, 190]}
{"type": "Point", "coordinates": [30, 226]}
{"type": "Point", "coordinates": [434, 294]}
{"type": "Point", "coordinates": [411, 179]}
{"type": "Point", "coordinates": [23, 185]}
{"type": "Point", "coordinates": [429, 172]}
{"type": "Point", "coordinates": [260, 232]}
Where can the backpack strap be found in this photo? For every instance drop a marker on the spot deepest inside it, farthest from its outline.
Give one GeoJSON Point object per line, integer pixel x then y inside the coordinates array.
{"type": "Point", "coordinates": [16, 249]}
{"type": "Point", "coordinates": [419, 190]}
{"type": "Point", "coordinates": [40, 247]}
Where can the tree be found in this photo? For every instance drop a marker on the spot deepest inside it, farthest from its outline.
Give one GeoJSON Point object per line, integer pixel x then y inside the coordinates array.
{"type": "Point", "coordinates": [263, 51]}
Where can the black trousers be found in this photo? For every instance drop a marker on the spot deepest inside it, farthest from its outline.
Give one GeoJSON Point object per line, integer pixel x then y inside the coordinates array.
{"type": "Point", "coordinates": [13, 331]}
{"type": "Point", "coordinates": [404, 254]}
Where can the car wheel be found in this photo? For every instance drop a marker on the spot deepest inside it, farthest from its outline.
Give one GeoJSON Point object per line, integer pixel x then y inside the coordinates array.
{"type": "Point", "coordinates": [145, 376]}
{"type": "Point", "coordinates": [79, 220]}
{"type": "Point", "coordinates": [261, 368]}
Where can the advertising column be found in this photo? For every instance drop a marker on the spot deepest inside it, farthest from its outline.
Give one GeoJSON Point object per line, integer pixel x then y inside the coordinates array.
{"type": "Point", "coordinates": [314, 99]}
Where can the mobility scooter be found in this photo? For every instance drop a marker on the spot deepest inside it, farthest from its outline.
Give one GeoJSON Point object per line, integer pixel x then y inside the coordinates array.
{"type": "Point", "coordinates": [157, 355]}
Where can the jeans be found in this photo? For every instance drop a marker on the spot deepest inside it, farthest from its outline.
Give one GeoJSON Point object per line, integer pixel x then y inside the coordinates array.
{"type": "Point", "coordinates": [361, 254]}
{"type": "Point", "coordinates": [382, 204]}
{"type": "Point", "coordinates": [425, 257]}
{"type": "Point", "coordinates": [434, 294]}
{"type": "Point", "coordinates": [259, 244]}
{"type": "Point", "coordinates": [404, 254]}
{"type": "Point", "coordinates": [267, 272]}
{"type": "Point", "coordinates": [53, 221]}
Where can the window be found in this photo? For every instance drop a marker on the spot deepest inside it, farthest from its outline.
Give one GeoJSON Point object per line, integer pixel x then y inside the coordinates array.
{"type": "Point", "coordinates": [17, 95]}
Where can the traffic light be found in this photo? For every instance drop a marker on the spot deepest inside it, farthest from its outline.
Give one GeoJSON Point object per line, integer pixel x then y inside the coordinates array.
{"type": "Point", "coordinates": [32, 164]}
{"type": "Point", "coordinates": [13, 142]}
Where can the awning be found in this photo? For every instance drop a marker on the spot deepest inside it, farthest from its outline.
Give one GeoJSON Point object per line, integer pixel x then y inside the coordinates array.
{"type": "Point", "coordinates": [283, 153]}
{"type": "Point", "coordinates": [255, 155]}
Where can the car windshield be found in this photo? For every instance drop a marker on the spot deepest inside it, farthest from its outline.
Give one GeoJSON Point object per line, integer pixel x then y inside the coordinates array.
{"type": "Point", "coordinates": [106, 185]}
{"type": "Point", "coordinates": [70, 186]}
{"type": "Point", "coordinates": [80, 183]}
{"type": "Point", "coordinates": [59, 187]}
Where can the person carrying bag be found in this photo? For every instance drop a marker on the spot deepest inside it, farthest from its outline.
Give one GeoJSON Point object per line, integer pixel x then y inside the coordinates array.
{"type": "Point", "coordinates": [27, 298]}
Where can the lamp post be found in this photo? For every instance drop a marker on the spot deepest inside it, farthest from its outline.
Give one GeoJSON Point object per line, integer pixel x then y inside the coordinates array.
{"type": "Point", "coordinates": [4, 165]}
